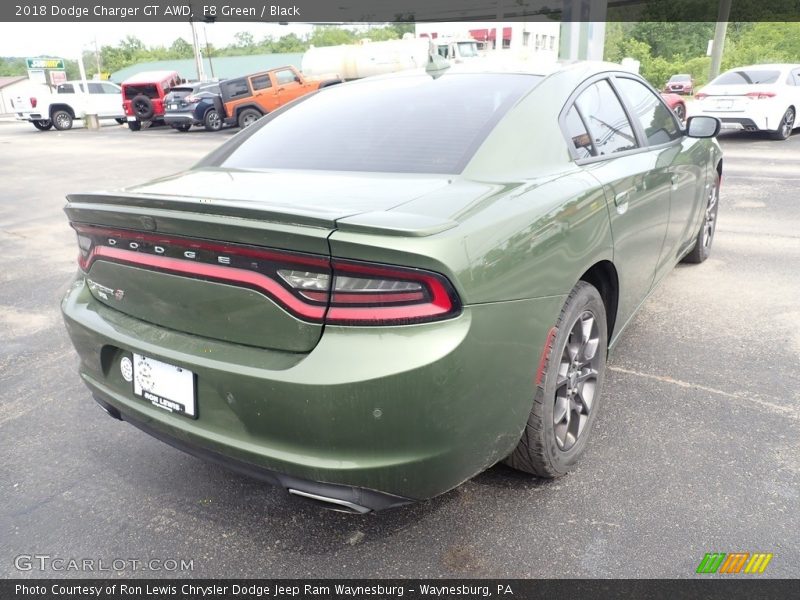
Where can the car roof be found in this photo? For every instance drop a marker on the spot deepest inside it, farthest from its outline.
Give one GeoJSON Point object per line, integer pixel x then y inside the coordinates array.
{"type": "Point", "coordinates": [779, 66]}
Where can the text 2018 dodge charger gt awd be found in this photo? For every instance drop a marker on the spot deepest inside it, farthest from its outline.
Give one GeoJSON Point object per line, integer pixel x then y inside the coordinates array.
{"type": "Point", "coordinates": [372, 295]}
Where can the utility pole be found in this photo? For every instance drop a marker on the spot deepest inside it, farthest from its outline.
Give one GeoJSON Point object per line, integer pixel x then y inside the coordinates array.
{"type": "Point", "coordinates": [719, 37]}
{"type": "Point", "coordinates": [97, 58]}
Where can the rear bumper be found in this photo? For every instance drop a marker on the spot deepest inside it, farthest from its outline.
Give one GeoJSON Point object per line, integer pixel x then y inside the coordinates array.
{"type": "Point", "coordinates": [335, 497]}
{"type": "Point", "coordinates": [34, 116]}
{"type": "Point", "coordinates": [181, 119]}
{"type": "Point", "coordinates": [409, 412]}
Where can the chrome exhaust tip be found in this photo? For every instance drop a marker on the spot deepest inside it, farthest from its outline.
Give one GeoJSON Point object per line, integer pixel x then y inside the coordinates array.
{"type": "Point", "coordinates": [329, 503]}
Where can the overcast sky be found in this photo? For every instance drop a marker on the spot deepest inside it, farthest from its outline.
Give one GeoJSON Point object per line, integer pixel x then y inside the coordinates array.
{"type": "Point", "coordinates": [65, 40]}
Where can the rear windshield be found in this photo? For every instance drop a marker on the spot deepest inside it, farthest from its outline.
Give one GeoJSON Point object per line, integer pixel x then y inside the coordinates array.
{"type": "Point", "coordinates": [413, 124]}
{"type": "Point", "coordinates": [148, 89]}
{"type": "Point", "coordinates": [747, 77]}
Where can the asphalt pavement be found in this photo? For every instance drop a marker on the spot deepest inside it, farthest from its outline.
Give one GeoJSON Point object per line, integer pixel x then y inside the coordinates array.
{"type": "Point", "coordinates": [696, 448]}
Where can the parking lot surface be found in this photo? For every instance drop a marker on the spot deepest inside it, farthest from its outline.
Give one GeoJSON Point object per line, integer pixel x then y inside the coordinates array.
{"type": "Point", "coordinates": [695, 449]}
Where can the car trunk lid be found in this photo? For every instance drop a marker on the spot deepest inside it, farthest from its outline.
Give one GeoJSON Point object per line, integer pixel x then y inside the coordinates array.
{"type": "Point", "coordinates": [210, 252]}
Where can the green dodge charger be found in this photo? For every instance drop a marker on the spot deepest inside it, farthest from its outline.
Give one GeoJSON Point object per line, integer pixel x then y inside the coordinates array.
{"type": "Point", "coordinates": [381, 290]}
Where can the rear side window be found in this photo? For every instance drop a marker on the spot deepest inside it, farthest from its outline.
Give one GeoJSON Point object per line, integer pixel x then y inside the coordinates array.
{"type": "Point", "coordinates": [657, 121]}
{"type": "Point", "coordinates": [606, 119]}
{"type": "Point", "coordinates": [237, 88]}
{"type": "Point", "coordinates": [261, 82]}
{"type": "Point", "coordinates": [579, 136]}
{"type": "Point", "coordinates": [65, 88]}
{"type": "Point", "coordinates": [413, 124]}
{"type": "Point", "coordinates": [747, 77]}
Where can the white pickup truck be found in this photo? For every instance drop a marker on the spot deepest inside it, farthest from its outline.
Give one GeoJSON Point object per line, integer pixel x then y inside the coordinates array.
{"type": "Point", "coordinates": [60, 109]}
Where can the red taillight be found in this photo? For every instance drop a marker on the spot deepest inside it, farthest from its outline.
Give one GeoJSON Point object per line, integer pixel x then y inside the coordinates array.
{"type": "Point", "coordinates": [760, 95]}
{"type": "Point", "coordinates": [34, 102]}
{"type": "Point", "coordinates": [313, 288]}
{"type": "Point", "coordinates": [700, 96]}
{"type": "Point", "coordinates": [191, 99]}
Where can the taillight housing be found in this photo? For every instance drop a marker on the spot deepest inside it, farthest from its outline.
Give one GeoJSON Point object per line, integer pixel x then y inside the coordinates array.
{"type": "Point", "coordinates": [311, 287]}
{"type": "Point", "coordinates": [700, 96]}
{"type": "Point", "coordinates": [190, 99]}
{"type": "Point", "coordinates": [760, 95]}
{"type": "Point", "coordinates": [33, 101]}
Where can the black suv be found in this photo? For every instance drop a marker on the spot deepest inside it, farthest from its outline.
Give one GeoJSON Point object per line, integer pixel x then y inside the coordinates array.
{"type": "Point", "coordinates": [196, 103]}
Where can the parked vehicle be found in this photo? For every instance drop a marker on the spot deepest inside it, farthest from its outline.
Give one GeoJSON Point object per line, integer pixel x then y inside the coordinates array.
{"type": "Point", "coordinates": [753, 98]}
{"type": "Point", "coordinates": [69, 103]}
{"type": "Point", "coordinates": [365, 59]}
{"type": "Point", "coordinates": [198, 103]}
{"type": "Point", "coordinates": [680, 84]}
{"type": "Point", "coordinates": [379, 292]}
{"type": "Point", "coordinates": [247, 99]}
{"type": "Point", "coordinates": [143, 97]}
{"type": "Point", "coordinates": [676, 105]}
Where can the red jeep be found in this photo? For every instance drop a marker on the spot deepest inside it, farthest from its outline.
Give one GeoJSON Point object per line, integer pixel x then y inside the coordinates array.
{"type": "Point", "coordinates": [143, 97]}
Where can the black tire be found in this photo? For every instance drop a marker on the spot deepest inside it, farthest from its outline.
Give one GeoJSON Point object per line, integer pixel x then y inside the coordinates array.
{"type": "Point", "coordinates": [183, 127]}
{"type": "Point", "coordinates": [212, 121]}
{"type": "Point", "coordinates": [120, 121]}
{"type": "Point", "coordinates": [62, 119]}
{"type": "Point", "coordinates": [134, 125]}
{"type": "Point", "coordinates": [42, 124]}
{"type": "Point", "coordinates": [142, 107]}
{"type": "Point", "coordinates": [248, 116]}
{"type": "Point", "coordinates": [541, 451]}
{"type": "Point", "coordinates": [705, 237]}
{"type": "Point", "coordinates": [784, 130]}
{"type": "Point", "coordinates": [680, 112]}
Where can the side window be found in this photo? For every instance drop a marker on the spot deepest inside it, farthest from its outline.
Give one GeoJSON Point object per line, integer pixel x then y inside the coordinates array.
{"type": "Point", "coordinates": [65, 88]}
{"type": "Point", "coordinates": [96, 88]}
{"type": "Point", "coordinates": [109, 89]}
{"type": "Point", "coordinates": [284, 76]}
{"type": "Point", "coordinates": [796, 75]}
{"type": "Point", "coordinates": [658, 121]}
{"type": "Point", "coordinates": [578, 135]}
{"type": "Point", "coordinates": [606, 119]}
{"type": "Point", "coordinates": [261, 82]}
{"type": "Point", "coordinates": [237, 88]}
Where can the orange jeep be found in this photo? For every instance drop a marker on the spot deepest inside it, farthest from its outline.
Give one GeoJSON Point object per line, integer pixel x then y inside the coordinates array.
{"type": "Point", "coordinates": [248, 98]}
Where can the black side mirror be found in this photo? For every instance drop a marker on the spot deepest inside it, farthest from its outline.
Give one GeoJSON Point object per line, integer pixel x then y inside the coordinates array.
{"type": "Point", "coordinates": [703, 126]}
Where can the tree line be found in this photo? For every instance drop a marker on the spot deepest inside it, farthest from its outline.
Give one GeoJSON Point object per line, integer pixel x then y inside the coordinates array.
{"type": "Point", "coordinates": [662, 48]}
{"type": "Point", "coordinates": [132, 50]}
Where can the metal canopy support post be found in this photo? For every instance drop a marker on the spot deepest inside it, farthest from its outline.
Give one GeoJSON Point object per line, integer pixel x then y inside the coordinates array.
{"type": "Point", "coordinates": [583, 29]}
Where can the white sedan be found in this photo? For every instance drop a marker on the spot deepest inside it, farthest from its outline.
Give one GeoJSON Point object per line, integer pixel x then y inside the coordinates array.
{"type": "Point", "coordinates": [753, 98]}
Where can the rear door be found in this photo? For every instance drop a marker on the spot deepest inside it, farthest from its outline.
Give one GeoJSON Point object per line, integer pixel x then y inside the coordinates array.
{"type": "Point", "coordinates": [607, 142]}
{"type": "Point", "coordinates": [105, 98]}
{"type": "Point", "coordinates": [264, 91]}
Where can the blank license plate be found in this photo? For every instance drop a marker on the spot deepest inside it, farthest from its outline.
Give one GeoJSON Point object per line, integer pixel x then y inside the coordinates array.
{"type": "Point", "coordinates": [173, 107]}
{"type": "Point", "coordinates": [164, 385]}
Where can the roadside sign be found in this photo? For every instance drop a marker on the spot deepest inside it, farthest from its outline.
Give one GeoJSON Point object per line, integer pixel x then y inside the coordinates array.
{"type": "Point", "coordinates": [37, 76]}
{"type": "Point", "coordinates": [57, 77]}
{"type": "Point", "coordinates": [45, 63]}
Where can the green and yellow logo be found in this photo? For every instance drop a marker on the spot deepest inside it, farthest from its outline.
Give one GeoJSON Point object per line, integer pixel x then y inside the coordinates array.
{"type": "Point", "coordinates": [735, 562]}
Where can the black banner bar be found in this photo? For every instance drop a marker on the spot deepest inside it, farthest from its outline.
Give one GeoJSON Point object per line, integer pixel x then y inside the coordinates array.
{"type": "Point", "coordinates": [343, 11]}
{"type": "Point", "coordinates": [728, 588]}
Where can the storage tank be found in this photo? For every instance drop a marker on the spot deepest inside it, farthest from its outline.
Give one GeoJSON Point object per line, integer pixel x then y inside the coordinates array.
{"type": "Point", "coordinates": [354, 61]}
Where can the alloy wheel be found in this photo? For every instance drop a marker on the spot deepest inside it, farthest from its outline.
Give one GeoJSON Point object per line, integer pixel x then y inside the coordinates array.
{"type": "Point", "coordinates": [710, 218]}
{"type": "Point", "coordinates": [787, 124]}
{"type": "Point", "coordinates": [576, 381]}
